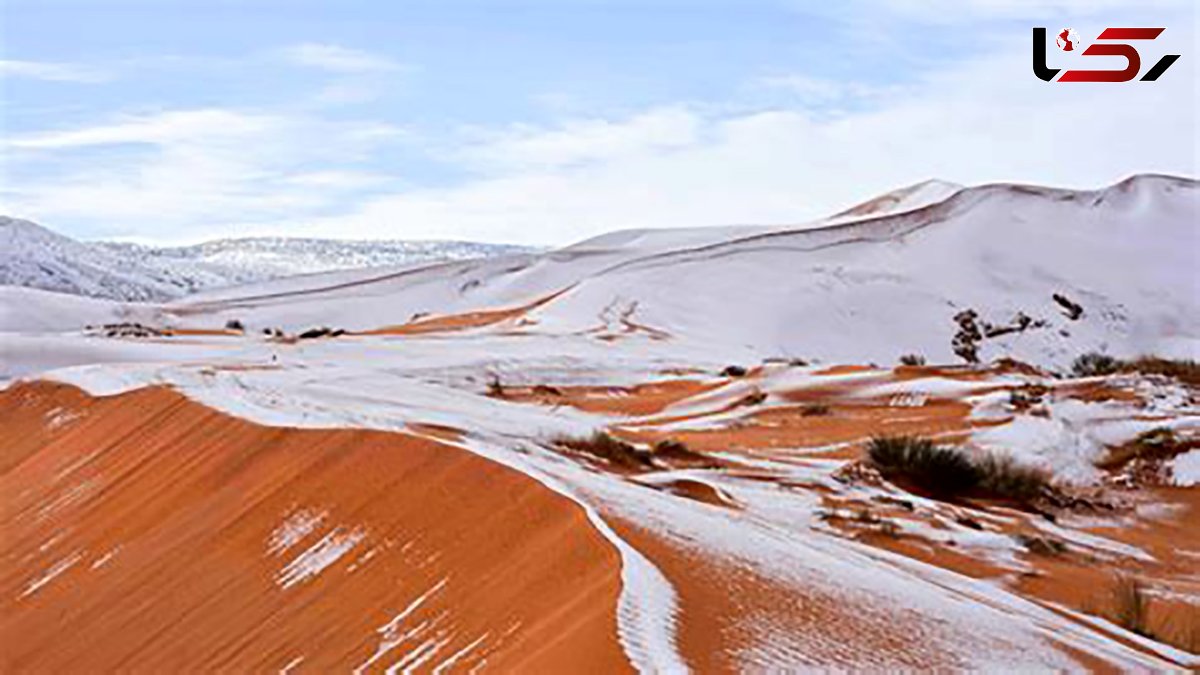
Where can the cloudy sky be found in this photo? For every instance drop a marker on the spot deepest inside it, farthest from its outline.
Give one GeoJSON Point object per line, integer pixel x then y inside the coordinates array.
{"type": "Point", "coordinates": [545, 121]}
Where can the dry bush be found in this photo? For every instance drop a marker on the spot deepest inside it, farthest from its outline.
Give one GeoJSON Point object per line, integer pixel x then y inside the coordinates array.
{"type": "Point", "coordinates": [1127, 603]}
{"type": "Point", "coordinates": [320, 332]}
{"type": "Point", "coordinates": [947, 471]}
{"type": "Point", "coordinates": [912, 360]}
{"type": "Point", "coordinates": [752, 399]}
{"type": "Point", "coordinates": [1039, 545]}
{"type": "Point", "coordinates": [1026, 396]}
{"type": "Point", "coordinates": [1154, 445]}
{"type": "Point", "coordinates": [672, 450]}
{"type": "Point", "coordinates": [604, 446]}
{"type": "Point", "coordinates": [1186, 371]}
{"type": "Point", "coordinates": [936, 469]}
{"type": "Point", "coordinates": [1093, 364]}
{"type": "Point", "coordinates": [495, 388]}
{"type": "Point", "coordinates": [1001, 476]}
{"type": "Point", "coordinates": [1130, 604]}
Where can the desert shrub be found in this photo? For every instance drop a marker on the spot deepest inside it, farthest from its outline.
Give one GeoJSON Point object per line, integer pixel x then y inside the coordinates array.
{"type": "Point", "coordinates": [1001, 476]}
{"type": "Point", "coordinates": [1026, 396]}
{"type": "Point", "coordinates": [312, 333]}
{"type": "Point", "coordinates": [1154, 445]}
{"type": "Point", "coordinates": [234, 324]}
{"type": "Point", "coordinates": [912, 360]}
{"type": "Point", "coordinates": [1159, 437]}
{"type": "Point", "coordinates": [1044, 546]}
{"type": "Point", "coordinates": [1094, 363]}
{"type": "Point", "coordinates": [733, 371]}
{"type": "Point", "coordinates": [604, 446]}
{"type": "Point", "coordinates": [670, 447]}
{"type": "Point", "coordinates": [931, 467]}
{"type": "Point", "coordinates": [949, 472]}
{"type": "Point", "coordinates": [672, 450]}
{"type": "Point", "coordinates": [495, 388]}
{"type": "Point", "coordinates": [1185, 370]}
{"type": "Point", "coordinates": [815, 410]}
{"type": "Point", "coordinates": [786, 360]}
{"type": "Point", "coordinates": [1127, 603]}
{"type": "Point", "coordinates": [752, 399]}
{"type": "Point", "coordinates": [1131, 604]}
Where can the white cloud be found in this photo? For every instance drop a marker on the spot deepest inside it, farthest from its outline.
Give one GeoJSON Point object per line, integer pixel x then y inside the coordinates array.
{"type": "Point", "coordinates": [582, 141]}
{"type": "Point", "coordinates": [159, 128]}
{"type": "Point", "coordinates": [981, 121]}
{"type": "Point", "coordinates": [340, 180]}
{"type": "Point", "coordinates": [52, 72]}
{"type": "Point", "coordinates": [338, 59]}
{"type": "Point", "coordinates": [818, 91]}
{"type": "Point", "coordinates": [179, 173]}
{"type": "Point", "coordinates": [218, 172]}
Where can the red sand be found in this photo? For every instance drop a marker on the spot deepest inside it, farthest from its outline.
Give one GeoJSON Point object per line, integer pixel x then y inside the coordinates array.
{"type": "Point", "coordinates": [167, 509]}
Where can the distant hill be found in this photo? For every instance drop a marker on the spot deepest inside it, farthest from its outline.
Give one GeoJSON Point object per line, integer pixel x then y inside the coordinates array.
{"type": "Point", "coordinates": [36, 257]}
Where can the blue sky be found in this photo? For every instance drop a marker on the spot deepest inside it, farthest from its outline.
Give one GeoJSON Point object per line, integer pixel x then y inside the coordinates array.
{"type": "Point", "coordinates": [545, 122]}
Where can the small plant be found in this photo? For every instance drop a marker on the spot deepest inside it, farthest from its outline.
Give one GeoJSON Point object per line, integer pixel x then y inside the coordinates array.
{"type": "Point", "coordinates": [1185, 370]}
{"type": "Point", "coordinates": [912, 360]}
{"type": "Point", "coordinates": [1093, 364]}
{"type": "Point", "coordinates": [1157, 444]}
{"type": "Point", "coordinates": [1026, 396]}
{"type": "Point", "coordinates": [815, 410]}
{"type": "Point", "coordinates": [1001, 476]}
{"type": "Point", "coordinates": [933, 468]}
{"type": "Point", "coordinates": [672, 450]}
{"type": "Point", "coordinates": [1131, 604]}
{"type": "Point", "coordinates": [1043, 546]}
{"type": "Point", "coordinates": [752, 399]}
{"type": "Point", "coordinates": [733, 371]}
{"type": "Point", "coordinates": [234, 324]}
{"type": "Point", "coordinates": [495, 388]}
{"type": "Point", "coordinates": [949, 472]}
{"type": "Point", "coordinates": [604, 446]}
{"type": "Point", "coordinates": [313, 333]}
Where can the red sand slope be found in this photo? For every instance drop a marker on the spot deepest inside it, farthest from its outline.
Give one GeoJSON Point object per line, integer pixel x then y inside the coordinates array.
{"type": "Point", "coordinates": [143, 532]}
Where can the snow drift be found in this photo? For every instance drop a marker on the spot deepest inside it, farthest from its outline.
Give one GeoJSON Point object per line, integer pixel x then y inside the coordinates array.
{"type": "Point", "coordinates": [1036, 273]}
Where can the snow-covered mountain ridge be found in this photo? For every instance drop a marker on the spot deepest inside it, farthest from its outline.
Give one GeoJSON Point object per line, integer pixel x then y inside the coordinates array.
{"type": "Point", "coordinates": [36, 257]}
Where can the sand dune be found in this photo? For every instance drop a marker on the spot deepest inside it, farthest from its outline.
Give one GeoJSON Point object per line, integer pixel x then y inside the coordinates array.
{"type": "Point", "coordinates": [647, 451]}
{"type": "Point", "coordinates": [145, 532]}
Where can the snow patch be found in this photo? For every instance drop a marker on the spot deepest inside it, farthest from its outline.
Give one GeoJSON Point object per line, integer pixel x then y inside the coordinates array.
{"type": "Point", "coordinates": [1185, 469]}
{"type": "Point", "coordinates": [297, 526]}
{"type": "Point", "coordinates": [319, 556]}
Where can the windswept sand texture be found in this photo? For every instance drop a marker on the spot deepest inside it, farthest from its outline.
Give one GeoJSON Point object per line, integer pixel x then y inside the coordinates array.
{"type": "Point", "coordinates": [146, 532]}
